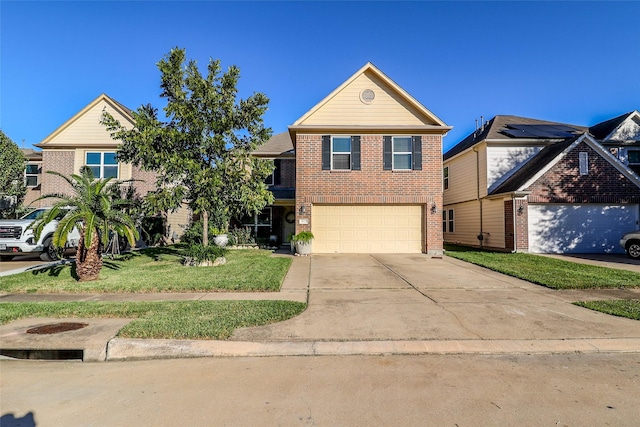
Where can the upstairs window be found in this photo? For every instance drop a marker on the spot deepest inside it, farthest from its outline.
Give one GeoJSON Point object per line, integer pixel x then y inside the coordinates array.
{"type": "Point", "coordinates": [402, 153]}
{"type": "Point", "coordinates": [633, 157]}
{"type": "Point", "coordinates": [340, 152]}
{"type": "Point", "coordinates": [445, 177]}
{"type": "Point", "coordinates": [102, 164]}
{"type": "Point", "coordinates": [32, 175]}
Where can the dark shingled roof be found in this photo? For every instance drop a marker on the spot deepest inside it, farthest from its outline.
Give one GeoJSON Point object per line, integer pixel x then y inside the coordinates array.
{"type": "Point", "coordinates": [494, 129]}
{"type": "Point", "coordinates": [532, 167]}
{"type": "Point", "coordinates": [278, 145]}
{"type": "Point", "coordinates": [284, 193]}
{"type": "Point", "coordinates": [602, 130]}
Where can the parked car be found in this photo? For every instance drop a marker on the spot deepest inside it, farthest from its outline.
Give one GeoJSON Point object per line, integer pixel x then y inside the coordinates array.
{"type": "Point", "coordinates": [631, 243]}
{"type": "Point", "coordinates": [16, 238]}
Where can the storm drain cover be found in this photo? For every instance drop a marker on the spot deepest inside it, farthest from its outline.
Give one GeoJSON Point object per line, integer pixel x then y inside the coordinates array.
{"type": "Point", "coordinates": [56, 328]}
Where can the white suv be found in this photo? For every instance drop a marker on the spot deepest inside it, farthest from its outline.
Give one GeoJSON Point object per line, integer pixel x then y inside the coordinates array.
{"type": "Point", "coordinates": [631, 243]}
{"type": "Point", "coordinates": [17, 239]}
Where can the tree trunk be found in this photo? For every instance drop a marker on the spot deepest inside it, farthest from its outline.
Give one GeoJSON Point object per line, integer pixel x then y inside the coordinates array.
{"type": "Point", "coordinates": [88, 260]}
{"type": "Point", "coordinates": [205, 228]}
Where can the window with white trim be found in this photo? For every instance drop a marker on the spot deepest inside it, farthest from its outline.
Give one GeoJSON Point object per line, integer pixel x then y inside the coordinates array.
{"type": "Point", "coordinates": [402, 151]}
{"type": "Point", "coordinates": [32, 175]}
{"type": "Point", "coordinates": [340, 152]}
{"type": "Point", "coordinates": [260, 223]}
{"type": "Point", "coordinates": [448, 221]}
{"type": "Point", "coordinates": [102, 164]}
{"type": "Point", "coordinates": [633, 160]}
{"type": "Point", "coordinates": [445, 177]}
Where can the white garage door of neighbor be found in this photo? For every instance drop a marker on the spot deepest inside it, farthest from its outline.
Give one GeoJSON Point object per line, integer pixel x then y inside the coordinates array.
{"type": "Point", "coordinates": [366, 228]}
{"type": "Point", "coordinates": [587, 228]}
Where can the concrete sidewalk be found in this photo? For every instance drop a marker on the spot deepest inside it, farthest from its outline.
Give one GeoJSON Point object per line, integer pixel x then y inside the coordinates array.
{"type": "Point", "coordinates": [370, 305]}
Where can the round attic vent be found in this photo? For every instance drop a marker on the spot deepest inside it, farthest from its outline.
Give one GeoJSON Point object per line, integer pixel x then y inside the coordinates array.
{"type": "Point", "coordinates": [367, 96]}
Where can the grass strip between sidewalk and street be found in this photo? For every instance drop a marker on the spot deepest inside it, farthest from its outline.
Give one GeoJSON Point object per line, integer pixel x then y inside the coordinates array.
{"type": "Point", "coordinates": [197, 320]}
{"type": "Point", "coordinates": [629, 308]}
{"type": "Point", "coordinates": [545, 271]}
{"type": "Point", "coordinates": [159, 270]}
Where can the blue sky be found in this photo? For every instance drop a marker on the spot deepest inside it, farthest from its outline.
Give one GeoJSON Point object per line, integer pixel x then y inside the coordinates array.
{"type": "Point", "coordinates": [574, 62]}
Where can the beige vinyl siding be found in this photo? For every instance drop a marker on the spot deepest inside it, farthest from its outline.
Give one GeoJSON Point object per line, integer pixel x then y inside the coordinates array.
{"type": "Point", "coordinates": [86, 130]}
{"type": "Point", "coordinates": [178, 222]}
{"type": "Point", "coordinates": [463, 177]}
{"type": "Point", "coordinates": [493, 223]}
{"type": "Point", "coordinates": [467, 223]}
{"type": "Point", "coordinates": [387, 109]}
{"type": "Point", "coordinates": [503, 161]}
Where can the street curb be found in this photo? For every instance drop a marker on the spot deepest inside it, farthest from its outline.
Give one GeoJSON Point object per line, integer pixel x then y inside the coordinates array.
{"type": "Point", "coordinates": [124, 349]}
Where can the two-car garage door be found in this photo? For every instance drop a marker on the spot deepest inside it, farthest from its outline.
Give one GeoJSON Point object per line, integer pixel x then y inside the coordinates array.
{"type": "Point", "coordinates": [367, 228]}
{"type": "Point", "coordinates": [580, 228]}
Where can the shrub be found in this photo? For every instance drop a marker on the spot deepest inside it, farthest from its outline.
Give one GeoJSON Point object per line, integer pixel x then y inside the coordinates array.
{"type": "Point", "coordinates": [197, 253]}
{"type": "Point", "coordinates": [241, 236]}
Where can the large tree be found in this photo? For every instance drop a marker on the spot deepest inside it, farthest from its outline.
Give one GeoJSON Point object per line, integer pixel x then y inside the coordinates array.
{"type": "Point", "coordinates": [12, 185]}
{"type": "Point", "coordinates": [96, 211]}
{"type": "Point", "coordinates": [202, 151]}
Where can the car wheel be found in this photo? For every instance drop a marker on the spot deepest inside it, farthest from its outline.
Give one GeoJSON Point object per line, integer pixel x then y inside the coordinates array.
{"type": "Point", "coordinates": [633, 250]}
{"type": "Point", "coordinates": [51, 253]}
{"type": "Point", "coordinates": [6, 257]}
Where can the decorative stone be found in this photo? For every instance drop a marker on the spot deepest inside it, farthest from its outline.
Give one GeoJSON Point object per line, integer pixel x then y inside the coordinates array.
{"type": "Point", "coordinates": [219, 261]}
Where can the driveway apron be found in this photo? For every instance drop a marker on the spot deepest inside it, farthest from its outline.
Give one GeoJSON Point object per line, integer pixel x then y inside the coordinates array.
{"type": "Point", "coordinates": [420, 297]}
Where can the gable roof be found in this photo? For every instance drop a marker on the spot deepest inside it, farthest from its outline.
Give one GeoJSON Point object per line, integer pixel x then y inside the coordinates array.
{"type": "Point", "coordinates": [278, 145]}
{"type": "Point", "coordinates": [506, 127]}
{"type": "Point", "coordinates": [123, 111]}
{"type": "Point", "coordinates": [551, 155]}
{"type": "Point", "coordinates": [607, 130]}
{"type": "Point", "coordinates": [368, 95]}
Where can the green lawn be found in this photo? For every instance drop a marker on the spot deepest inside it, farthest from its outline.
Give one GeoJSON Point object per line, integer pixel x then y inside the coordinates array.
{"type": "Point", "coordinates": [629, 308]}
{"type": "Point", "coordinates": [545, 271]}
{"type": "Point", "coordinates": [167, 320]}
{"type": "Point", "coordinates": [160, 270]}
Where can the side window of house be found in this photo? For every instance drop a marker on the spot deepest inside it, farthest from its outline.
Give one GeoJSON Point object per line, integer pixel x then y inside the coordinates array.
{"type": "Point", "coordinates": [634, 160]}
{"type": "Point", "coordinates": [340, 152]}
{"type": "Point", "coordinates": [445, 177]}
{"type": "Point", "coordinates": [102, 164]}
{"type": "Point", "coordinates": [402, 153]}
{"type": "Point", "coordinates": [448, 222]}
{"type": "Point", "coordinates": [32, 175]}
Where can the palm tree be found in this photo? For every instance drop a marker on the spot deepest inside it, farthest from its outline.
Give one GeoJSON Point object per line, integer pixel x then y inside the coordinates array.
{"type": "Point", "coordinates": [95, 212]}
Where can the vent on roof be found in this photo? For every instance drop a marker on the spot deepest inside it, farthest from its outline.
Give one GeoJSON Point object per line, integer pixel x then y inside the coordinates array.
{"type": "Point", "coordinates": [540, 131]}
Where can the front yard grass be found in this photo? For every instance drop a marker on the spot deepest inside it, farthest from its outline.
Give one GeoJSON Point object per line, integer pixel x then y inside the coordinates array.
{"type": "Point", "coordinates": [545, 271]}
{"type": "Point", "coordinates": [629, 308]}
{"type": "Point", "coordinates": [164, 320]}
{"type": "Point", "coordinates": [160, 270]}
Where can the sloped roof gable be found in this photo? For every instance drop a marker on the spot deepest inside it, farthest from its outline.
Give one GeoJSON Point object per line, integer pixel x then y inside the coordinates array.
{"type": "Point", "coordinates": [84, 128]}
{"type": "Point", "coordinates": [369, 99]}
{"type": "Point", "coordinates": [622, 128]}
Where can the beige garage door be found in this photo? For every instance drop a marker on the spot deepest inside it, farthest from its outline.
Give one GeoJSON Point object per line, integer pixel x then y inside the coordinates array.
{"type": "Point", "coordinates": [367, 228]}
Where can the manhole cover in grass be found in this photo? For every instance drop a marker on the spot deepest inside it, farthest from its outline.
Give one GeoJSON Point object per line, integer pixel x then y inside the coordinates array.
{"type": "Point", "coordinates": [56, 328]}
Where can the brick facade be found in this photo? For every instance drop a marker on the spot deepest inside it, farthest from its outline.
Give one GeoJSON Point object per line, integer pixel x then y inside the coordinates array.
{"type": "Point", "coordinates": [287, 173]}
{"type": "Point", "coordinates": [372, 184]}
{"type": "Point", "coordinates": [564, 184]}
{"type": "Point", "coordinates": [516, 225]}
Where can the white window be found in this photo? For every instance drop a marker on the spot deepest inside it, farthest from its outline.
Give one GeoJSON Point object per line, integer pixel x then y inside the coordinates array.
{"type": "Point", "coordinates": [270, 179]}
{"type": "Point", "coordinates": [32, 175]}
{"type": "Point", "coordinates": [448, 222]}
{"type": "Point", "coordinates": [260, 223]}
{"type": "Point", "coordinates": [341, 152]}
{"type": "Point", "coordinates": [445, 177]}
{"type": "Point", "coordinates": [633, 159]}
{"type": "Point", "coordinates": [584, 163]}
{"type": "Point", "coordinates": [102, 164]}
{"type": "Point", "coordinates": [401, 152]}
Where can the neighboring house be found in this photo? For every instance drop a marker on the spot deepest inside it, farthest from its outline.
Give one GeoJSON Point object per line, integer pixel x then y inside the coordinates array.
{"type": "Point", "coordinates": [81, 141]}
{"type": "Point", "coordinates": [367, 178]}
{"type": "Point", "coordinates": [32, 175]}
{"type": "Point", "coordinates": [519, 184]}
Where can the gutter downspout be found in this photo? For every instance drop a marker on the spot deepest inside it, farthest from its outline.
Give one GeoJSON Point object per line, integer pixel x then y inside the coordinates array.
{"type": "Point", "coordinates": [481, 235]}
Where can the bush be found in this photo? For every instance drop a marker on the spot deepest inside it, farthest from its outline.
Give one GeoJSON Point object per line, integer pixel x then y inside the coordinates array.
{"type": "Point", "coordinates": [197, 253]}
{"type": "Point", "coordinates": [241, 236]}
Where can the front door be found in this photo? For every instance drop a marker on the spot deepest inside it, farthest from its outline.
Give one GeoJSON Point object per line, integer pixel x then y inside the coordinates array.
{"type": "Point", "coordinates": [288, 223]}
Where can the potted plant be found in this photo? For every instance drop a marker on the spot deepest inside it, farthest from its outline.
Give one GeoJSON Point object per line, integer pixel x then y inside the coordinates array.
{"type": "Point", "coordinates": [303, 242]}
{"type": "Point", "coordinates": [221, 238]}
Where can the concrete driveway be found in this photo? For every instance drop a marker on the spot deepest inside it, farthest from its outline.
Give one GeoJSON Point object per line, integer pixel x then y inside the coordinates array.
{"type": "Point", "coordinates": [419, 297]}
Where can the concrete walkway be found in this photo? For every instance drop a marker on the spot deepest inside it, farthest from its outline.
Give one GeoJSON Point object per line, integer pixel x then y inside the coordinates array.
{"type": "Point", "coordinates": [374, 304]}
